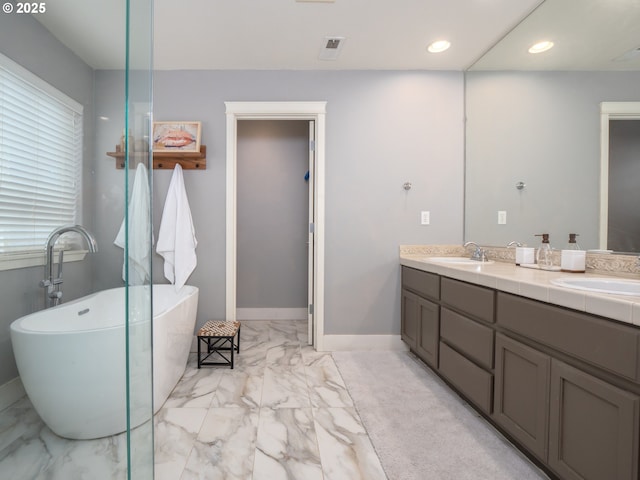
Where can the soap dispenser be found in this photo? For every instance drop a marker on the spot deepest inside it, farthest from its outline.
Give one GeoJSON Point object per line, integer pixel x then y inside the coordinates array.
{"type": "Point", "coordinates": [572, 258]}
{"type": "Point", "coordinates": [572, 245]}
{"type": "Point", "coordinates": [544, 256]}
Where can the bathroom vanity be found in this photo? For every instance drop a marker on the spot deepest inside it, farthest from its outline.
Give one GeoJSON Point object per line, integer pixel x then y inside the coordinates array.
{"type": "Point", "coordinates": [556, 370]}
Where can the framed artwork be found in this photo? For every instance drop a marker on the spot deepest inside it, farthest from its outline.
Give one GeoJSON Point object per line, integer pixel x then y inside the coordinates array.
{"type": "Point", "coordinates": [176, 136]}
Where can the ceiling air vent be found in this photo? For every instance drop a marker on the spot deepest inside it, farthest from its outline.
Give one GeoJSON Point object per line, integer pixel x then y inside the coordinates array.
{"type": "Point", "coordinates": [331, 48]}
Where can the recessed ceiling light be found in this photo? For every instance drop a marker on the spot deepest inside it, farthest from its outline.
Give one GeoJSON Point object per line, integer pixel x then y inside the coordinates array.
{"type": "Point", "coordinates": [439, 46]}
{"type": "Point", "coordinates": [541, 46]}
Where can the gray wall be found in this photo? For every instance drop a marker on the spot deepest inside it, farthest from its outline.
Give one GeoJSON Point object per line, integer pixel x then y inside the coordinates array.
{"type": "Point", "coordinates": [624, 194]}
{"type": "Point", "coordinates": [542, 128]}
{"type": "Point", "coordinates": [25, 41]}
{"type": "Point", "coordinates": [272, 214]}
{"type": "Point", "coordinates": [383, 128]}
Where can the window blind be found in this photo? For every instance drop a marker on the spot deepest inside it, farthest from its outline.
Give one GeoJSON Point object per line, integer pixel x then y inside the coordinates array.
{"type": "Point", "coordinates": [40, 159]}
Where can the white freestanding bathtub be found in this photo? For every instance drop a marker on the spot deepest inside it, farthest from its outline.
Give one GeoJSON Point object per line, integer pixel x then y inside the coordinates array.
{"type": "Point", "coordinates": [72, 358]}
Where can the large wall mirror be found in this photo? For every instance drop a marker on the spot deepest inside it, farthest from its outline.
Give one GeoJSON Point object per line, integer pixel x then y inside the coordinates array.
{"type": "Point", "coordinates": [533, 140]}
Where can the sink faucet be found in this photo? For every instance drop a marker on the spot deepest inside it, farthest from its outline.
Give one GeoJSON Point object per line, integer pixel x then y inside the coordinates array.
{"type": "Point", "coordinates": [478, 253]}
{"type": "Point", "coordinates": [54, 294]}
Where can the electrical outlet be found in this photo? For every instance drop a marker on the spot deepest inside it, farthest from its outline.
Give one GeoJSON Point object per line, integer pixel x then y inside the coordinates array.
{"type": "Point", "coordinates": [424, 218]}
{"type": "Point", "coordinates": [502, 217]}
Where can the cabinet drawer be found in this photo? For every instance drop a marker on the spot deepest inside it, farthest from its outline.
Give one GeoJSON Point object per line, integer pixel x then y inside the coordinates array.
{"type": "Point", "coordinates": [472, 299]}
{"type": "Point", "coordinates": [423, 283]}
{"type": "Point", "coordinates": [468, 336]}
{"type": "Point", "coordinates": [472, 381]}
{"type": "Point", "coordinates": [602, 343]}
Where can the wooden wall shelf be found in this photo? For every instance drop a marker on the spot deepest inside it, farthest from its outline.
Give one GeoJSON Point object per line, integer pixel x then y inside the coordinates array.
{"type": "Point", "coordinates": [165, 160]}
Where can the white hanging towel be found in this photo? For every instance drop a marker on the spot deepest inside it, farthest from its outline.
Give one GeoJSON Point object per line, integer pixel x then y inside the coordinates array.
{"type": "Point", "coordinates": [177, 240]}
{"type": "Point", "coordinates": [140, 235]}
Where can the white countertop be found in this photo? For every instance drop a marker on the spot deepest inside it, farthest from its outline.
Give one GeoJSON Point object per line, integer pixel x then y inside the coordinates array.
{"type": "Point", "coordinates": [534, 284]}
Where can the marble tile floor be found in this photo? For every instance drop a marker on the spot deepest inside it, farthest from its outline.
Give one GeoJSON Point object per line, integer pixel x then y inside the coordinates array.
{"type": "Point", "coordinates": [283, 413]}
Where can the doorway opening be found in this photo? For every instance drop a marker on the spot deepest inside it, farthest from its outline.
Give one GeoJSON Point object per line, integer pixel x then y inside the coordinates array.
{"type": "Point", "coordinates": [273, 216]}
{"type": "Point", "coordinates": [314, 114]}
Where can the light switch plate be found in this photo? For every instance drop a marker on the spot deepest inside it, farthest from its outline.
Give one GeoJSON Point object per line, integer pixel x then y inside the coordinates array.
{"type": "Point", "coordinates": [502, 217]}
{"type": "Point", "coordinates": [424, 218]}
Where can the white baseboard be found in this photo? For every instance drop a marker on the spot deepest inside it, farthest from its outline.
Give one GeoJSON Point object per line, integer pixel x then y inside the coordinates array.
{"type": "Point", "coordinates": [11, 392]}
{"type": "Point", "coordinates": [271, 313]}
{"type": "Point", "coordinates": [336, 343]}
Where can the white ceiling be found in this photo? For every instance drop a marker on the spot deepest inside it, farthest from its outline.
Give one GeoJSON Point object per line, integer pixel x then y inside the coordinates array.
{"type": "Point", "coordinates": [587, 35]}
{"type": "Point", "coordinates": [380, 34]}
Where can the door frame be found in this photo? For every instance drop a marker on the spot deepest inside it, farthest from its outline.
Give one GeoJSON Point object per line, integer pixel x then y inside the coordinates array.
{"type": "Point", "coordinates": [315, 111]}
{"type": "Point", "coordinates": [610, 111]}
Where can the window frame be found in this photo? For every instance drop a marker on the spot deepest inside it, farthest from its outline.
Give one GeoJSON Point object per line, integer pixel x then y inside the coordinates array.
{"type": "Point", "coordinates": [35, 255]}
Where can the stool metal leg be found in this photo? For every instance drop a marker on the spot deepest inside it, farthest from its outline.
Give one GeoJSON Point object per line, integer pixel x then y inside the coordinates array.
{"type": "Point", "coordinates": [217, 344]}
{"type": "Point", "coordinates": [231, 341]}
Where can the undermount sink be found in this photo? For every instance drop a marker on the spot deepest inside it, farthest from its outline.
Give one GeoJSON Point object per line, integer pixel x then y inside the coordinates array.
{"type": "Point", "coordinates": [615, 286]}
{"type": "Point", "coordinates": [458, 260]}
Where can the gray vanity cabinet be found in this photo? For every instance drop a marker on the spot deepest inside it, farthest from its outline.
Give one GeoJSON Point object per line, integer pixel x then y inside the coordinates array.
{"type": "Point", "coordinates": [571, 378]}
{"type": "Point", "coordinates": [563, 384]}
{"type": "Point", "coordinates": [593, 427]}
{"type": "Point", "coordinates": [420, 316]}
{"type": "Point", "coordinates": [467, 340]}
{"type": "Point", "coordinates": [521, 394]}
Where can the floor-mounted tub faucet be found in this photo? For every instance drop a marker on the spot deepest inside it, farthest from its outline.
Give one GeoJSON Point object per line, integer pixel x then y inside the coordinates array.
{"type": "Point", "coordinates": [54, 294]}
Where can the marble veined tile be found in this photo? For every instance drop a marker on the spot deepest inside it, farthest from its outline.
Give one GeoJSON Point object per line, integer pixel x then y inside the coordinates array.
{"type": "Point", "coordinates": [310, 355]}
{"type": "Point", "coordinates": [175, 433]}
{"type": "Point", "coordinates": [253, 332]}
{"type": "Point", "coordinates": [18, 421]}
{"type": "Point", "coordinates": [284, 355]}
{"type": "Point", "coordinates": [286, 447]}
{"type": "Point", "coordinates": [239, 388]}
{"type": "Point", "coordinates": [285, 387]}
{"type": "Point", "coordinates": [100, 459]}
{"type": "Point", "coordinates": [27, 446]}
{"type": "Point", "coordinates": [345, 448]}
{"type": "Point", "coordinates": [254, 328]}
{"type": "Point", "coordinates": [250, 356]}
{"type": "Point", "coordinates": [326, 387]}
{"type": "Point", "coordinates": [302, 329]}
{"type": "Point", "coordinates": [225, 446]}
{"type": "Point", "coordinates": [283, 333]}
{"type": "Point", "coordinates": [195, 389]}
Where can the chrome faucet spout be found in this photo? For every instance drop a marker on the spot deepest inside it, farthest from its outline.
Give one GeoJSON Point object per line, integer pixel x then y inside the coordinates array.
{"type": "Point", "coordinates": [89, 238]}
{"type": "Point", "coordinates": [478, 253]}
{"type": "Point", "coordinates": [54, 295]}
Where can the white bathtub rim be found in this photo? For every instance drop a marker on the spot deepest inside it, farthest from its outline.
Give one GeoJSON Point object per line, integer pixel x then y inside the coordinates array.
{"type": "Point", "coordinates": [18, 324]}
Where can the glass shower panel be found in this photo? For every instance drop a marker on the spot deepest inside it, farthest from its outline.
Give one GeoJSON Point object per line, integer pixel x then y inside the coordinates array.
{"type": "Point", "coordinates": [139, 238]}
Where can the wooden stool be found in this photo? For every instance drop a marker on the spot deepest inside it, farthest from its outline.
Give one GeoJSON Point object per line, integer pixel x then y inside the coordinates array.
{"type": "Point", "coordinates": [218, 336]}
